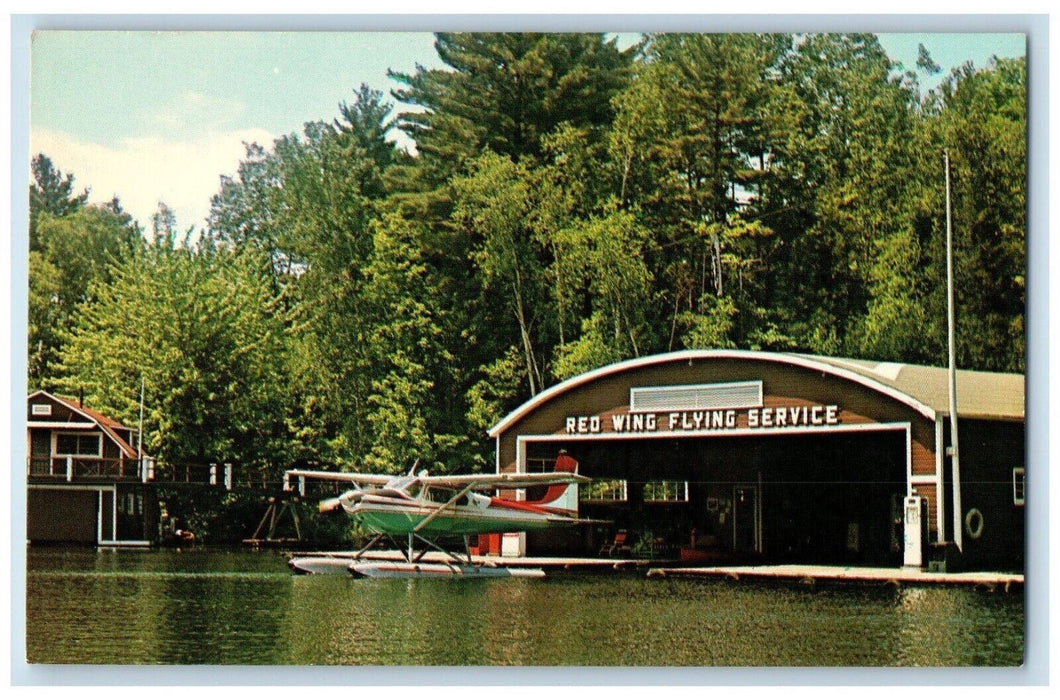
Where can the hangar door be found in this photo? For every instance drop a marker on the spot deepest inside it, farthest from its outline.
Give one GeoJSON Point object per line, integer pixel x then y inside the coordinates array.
{"type": "Point", "coordinates": [823, 497]}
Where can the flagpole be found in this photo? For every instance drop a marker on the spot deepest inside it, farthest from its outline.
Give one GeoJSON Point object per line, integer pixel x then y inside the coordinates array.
{"type": "Point", "coordinates": [953, 452]}
{"type": "Point", "coordinates": [140, 433]}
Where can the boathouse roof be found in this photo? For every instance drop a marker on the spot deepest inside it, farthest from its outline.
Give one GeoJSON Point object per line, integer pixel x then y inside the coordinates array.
{"type": "Point", "coordinates": [109, 426]}
{"type": "Point", "coordinates": [980, 395]}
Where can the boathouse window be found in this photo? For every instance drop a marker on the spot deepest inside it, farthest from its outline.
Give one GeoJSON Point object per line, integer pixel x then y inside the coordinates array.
{"type": "Point", "coordinates": [41, 409]}
{"type": "Point", "coordinates": [78, 445]}
{"type": "Point", "coordinates": [1019, 493]}
{"type": "Point", "coordinates": [133, 504]}
{"type": "Point", "coordinates": [696, 397]}
{"type": "Point", "coordinates": [611, 490]}
{"type": "Point", "coordinates": [666, 492]}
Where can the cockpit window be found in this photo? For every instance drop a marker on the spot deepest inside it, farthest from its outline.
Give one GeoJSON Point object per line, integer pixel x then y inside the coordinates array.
{"type": "Point", "coordinates": [438, 495]}
{"type": "Point", "coordinates": [409, 485]}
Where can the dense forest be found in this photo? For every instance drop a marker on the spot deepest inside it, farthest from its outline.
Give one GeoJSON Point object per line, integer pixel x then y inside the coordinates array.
{"type": "Point", "coordinates": [568, 204]}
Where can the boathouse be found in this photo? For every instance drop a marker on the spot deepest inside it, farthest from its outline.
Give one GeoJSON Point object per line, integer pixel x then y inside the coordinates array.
{"type": "Point", "coordinates": [727, 455]}
{"type": "Point", "coordinates": [87, 482]}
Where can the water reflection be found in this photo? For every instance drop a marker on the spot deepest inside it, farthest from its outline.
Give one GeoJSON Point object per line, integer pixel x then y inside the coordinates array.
{"type": "Point", "coordinates": [205, 607]}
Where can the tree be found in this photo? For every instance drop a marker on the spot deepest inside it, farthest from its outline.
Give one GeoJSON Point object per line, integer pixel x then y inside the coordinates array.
{"type": "Point", "coordinates": [507, 91]}
{"type": "Point", "coordinates": [841, 185]}
{"type": "Point", "coordinates": [72, 252]}
{"type": "Point", "coordinates": [242, 212]}
{"type": "Point", "coordinates": [493, 207]}
{"type": "Point", "coordinates": [51, 193]}
{"type": "Point", "coordinates": [311, 204]}
{"type": "Point", "coordinates": [979, 117]}
{"type": "Point", "coordinates": [309, 200]}
{"type": "Point", "coordinates": [694, 137]}
{"type": "Point", "coordinates": [201, 330]}
{"type": "Point", "coordinates": [611, 250]}
{"type": "Point", "coordinates": [408, 412]}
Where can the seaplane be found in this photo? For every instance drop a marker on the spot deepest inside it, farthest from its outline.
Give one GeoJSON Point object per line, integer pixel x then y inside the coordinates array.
{"type": "Point", "coordinates": [416, 509]}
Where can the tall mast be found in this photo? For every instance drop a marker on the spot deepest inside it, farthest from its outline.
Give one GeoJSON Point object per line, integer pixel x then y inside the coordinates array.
{"type": "Point", "coordinates": [958, 534]}
{"type": "Point", "coordinates": [140, 432]}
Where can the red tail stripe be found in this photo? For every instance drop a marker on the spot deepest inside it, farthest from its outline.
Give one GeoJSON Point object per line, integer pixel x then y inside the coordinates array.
{"type": "Point", "coordinates": [564, 463]}
{"type": "Point", "coordinates": [530, 507]}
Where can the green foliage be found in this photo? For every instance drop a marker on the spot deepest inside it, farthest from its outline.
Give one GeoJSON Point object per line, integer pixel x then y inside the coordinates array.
{"type": "Point", "coordinates": [983, 123]}
{"type": "Point", "coordinates": [589, 351]}
{"type": "Point", "coordinates": [407, 353]}
{"type": "Point", "coordinates": [712, 329]}
{"type": "Point", "coordinates": [506, 92]}
{"type": "Point", "coordinates": [202, 332]}
{"type": "Point", "coordinates": [71, 253]}
{"type": "Point", "coordinates": [51, 193]}
{"type": "Point", "coordinates": [567, 206]}
{"type": "Point", "coordinates": [843, 179]}
{"type": "Point", "coordinates": [493, 204]}
{"type": "Point", "coordinates": [499, 391]}
{"type": "Point", "coordinates": [610, 251]}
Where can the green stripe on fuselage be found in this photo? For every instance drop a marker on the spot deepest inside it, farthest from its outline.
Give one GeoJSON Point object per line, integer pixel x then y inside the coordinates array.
{"type": "Point", "coordinates": [401, 522]}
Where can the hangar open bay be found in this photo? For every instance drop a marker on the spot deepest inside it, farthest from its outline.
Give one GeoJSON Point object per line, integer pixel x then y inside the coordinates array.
{"type": "Point", "coordinates": [796, 497]}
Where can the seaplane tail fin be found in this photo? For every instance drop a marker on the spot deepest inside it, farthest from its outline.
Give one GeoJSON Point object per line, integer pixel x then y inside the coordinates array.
{"type": "Point", "coordinates": [566, 463]}
{"type": "Point", "coordinates": [561, 496]}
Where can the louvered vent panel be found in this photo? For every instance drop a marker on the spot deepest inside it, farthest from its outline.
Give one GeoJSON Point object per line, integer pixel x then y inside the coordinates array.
{"type": "Point", "coordinates": [696, 397]}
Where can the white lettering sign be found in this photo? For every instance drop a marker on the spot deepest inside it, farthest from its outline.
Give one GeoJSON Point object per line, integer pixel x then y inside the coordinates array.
{"type": "Point", "coordinates": [709, 420]}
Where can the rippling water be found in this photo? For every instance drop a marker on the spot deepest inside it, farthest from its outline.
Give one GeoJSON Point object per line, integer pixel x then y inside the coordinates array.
{"type": "Point", "coordinates": [204, 606]}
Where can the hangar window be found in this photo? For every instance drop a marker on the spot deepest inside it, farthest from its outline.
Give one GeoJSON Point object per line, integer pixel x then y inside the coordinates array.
{"type": "Point", "coordinates": [696, 397]}
{"type": "Point", "coordinates": [613, 490]}
{"type": "Point", "coordinates": [666, 492]}
{"type": "Point", "coordinates": [1019, 486]}
{"type": "Point", "coordinates": [537, 466]}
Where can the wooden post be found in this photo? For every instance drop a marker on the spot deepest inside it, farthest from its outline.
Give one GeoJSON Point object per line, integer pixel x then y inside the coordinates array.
{"type": "Point", "coordinates": [297, 523]}
{"type": "Point", "coordinates": [264, 519]}
{"type": "Point", "coordinates": [69, 468]}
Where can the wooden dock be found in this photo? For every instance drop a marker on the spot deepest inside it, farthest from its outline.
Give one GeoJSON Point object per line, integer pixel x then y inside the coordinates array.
{"type": "Point", "coordinates": [810, 574]}
{"type": "Point", "coordinates": [806, 574]}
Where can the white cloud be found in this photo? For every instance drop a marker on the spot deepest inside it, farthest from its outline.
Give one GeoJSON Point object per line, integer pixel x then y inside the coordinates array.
{"type": "Point", "coordinates": [144, 171]}
{"type": "Point", "coordinates": [190, 114]}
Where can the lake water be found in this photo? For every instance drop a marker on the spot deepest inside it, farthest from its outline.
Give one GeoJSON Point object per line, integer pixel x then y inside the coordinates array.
{"type": "Point", "coordinates": [203, 606]}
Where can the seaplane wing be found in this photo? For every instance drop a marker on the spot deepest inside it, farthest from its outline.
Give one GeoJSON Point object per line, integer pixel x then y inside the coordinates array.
{"type": "Point", "coordinates": [352, 477]}
{"type": "Point", "coordinates": [510, 481]}
{"type": "Point", "coordinates": [476, 482]}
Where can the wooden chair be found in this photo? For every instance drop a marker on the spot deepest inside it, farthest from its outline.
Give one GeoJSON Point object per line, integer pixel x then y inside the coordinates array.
{"type": "Point", "coordinates": [616, 546]}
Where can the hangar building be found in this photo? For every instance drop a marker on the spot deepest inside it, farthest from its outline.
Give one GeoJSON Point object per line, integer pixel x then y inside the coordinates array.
{"type": "Point", "coordinates": [727, 455]}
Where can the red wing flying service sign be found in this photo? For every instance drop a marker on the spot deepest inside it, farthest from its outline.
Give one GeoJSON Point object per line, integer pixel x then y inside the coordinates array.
{"type": "Point", "coordinates": [706, 420]}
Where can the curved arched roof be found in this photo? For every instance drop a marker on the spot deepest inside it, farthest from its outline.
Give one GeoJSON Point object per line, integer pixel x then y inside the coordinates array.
{"type": "Point", "coordinates": [924, 389]}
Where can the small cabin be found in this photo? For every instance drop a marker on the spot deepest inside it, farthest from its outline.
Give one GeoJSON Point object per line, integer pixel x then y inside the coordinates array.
{"type": "Point", "coordinates": [87, 481]}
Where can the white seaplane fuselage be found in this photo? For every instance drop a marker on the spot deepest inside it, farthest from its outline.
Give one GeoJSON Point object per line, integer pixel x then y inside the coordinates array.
{"type": "Point", "coordinates": [433, 512]}
{"type": "Point", "coordinates": [421, 508]}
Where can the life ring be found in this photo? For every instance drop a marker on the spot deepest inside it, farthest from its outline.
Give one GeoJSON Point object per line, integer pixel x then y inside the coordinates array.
{"type": "Point", "coordinates": [973, 523]}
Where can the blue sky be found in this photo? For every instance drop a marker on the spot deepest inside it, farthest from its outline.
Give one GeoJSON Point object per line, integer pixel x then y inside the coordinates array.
{"type": "Point", "coordinates": [160, 116]}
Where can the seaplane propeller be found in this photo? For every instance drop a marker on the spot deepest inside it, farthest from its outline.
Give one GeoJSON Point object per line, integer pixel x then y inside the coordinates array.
{"type": "Point", "coordinates": [348, 498]}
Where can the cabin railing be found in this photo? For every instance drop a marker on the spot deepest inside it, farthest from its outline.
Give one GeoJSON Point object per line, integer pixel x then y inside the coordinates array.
{"type": "Point", "coordinates": [221, 474]}
{"type": "Point", "coordinates": [189, 473]}
{"type": "Point", "coordinates": [82, 468]}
